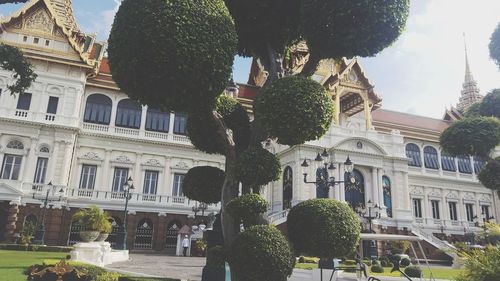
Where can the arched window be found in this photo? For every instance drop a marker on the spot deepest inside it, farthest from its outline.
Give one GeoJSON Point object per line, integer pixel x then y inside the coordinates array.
{"type": "Point", "coordinates": [448, 162]}
{"type": "Point", "coordinates": [431, 159]}
{"type": "Point", "coordinates": [287, 188]}
{"type": "Point", "coordinates": [386, 185]}
{"type": "Point", "coordinates": [464, 165]}
{"type": "Point", "coordinates": [180, 122]}
{"type": "Point", "coordinates": [128, 114]}
{"type": "Point", "coordinates": [144, 235]}
{"type": "Point", "coordinates": [113, 237]}
{"type": "Point", "coordinates": [31, 218]}
{"type": "Point", "coordinates": [355, 195]}
{"type": "Point", "coordinates": [479, 163]}
{"type": "Point", "coordinates": [98, 109]}
{"type": "Point", "coordinates": [15, 144]}
{"type": "Point", "coordinates": [157, 120]}
{"type": "Point", "coordinates": [413, 152]}
{"type": "Point", "coordinates": [44, 149]}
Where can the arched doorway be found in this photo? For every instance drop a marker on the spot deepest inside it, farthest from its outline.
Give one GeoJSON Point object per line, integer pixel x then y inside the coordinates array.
{"type": "Point", "coordinates": [287, 188]}
{"type": "Point", "coordinates": [171, 237]}
{"type": "Point", "coordinates": [117, 227]}
{"type": "Point", "coordinates": [355, 195]}
{"type": "Point", "coordinates": [144, 235]}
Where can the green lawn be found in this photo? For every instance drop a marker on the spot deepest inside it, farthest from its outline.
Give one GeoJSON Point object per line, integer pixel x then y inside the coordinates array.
{"type": "Point", "coordinates": [13, 263]}
{"type": "Point", "coordinates": [437, 272]}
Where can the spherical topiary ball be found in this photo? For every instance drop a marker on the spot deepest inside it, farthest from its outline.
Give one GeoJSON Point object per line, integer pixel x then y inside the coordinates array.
{"type": "Point", "coordinates": [261, 253]}
{"type": "Point", "coordinates": [173, 54]}
{"type": "Point", "coordinates": [247, 207]}
{"type": "Point", "coordinates": [236, 118]}
{"type": "Point", "coordinates": [489, 175]}
{"type": "Point", "coordinates": [294, 109]}
{"type": "Point", "coordinates": [256, 166]}
{"type": "Point", "coordinates": [495, 45]}
{"type": "Point", "coordinates": [471, 136]}
{"type": "Point", "coordinates": [349, 28]}
{"type": "Point", "coordinates": [202, 131]}
{"type": "Point", "coordinates": [323, 228]}
{"type": "Point", "coordinates": [203, 184]}
{"type": "Point", "coordinates": [490, 105]}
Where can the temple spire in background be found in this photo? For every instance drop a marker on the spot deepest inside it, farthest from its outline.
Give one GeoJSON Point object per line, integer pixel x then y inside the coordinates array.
{"type": "Point", "coordinates": [470, 90]}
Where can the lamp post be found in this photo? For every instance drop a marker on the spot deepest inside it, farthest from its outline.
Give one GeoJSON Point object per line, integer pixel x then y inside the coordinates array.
{"type": "Point", "coordinates": [323, 180]}
{"type": "Point", "coordinates": [199, 207]}
{"type": "Point", "coordinates": [46, 200]}
{"type": "Point", "coordinates": [367, 213]}
{"type": "Point", "coordinates": [128, 187]}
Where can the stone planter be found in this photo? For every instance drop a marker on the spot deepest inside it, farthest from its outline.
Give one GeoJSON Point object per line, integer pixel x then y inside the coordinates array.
{"type": "Point", "coordinates": [102, 237]}
{"type": "Point", "coordinates": [89, 236]}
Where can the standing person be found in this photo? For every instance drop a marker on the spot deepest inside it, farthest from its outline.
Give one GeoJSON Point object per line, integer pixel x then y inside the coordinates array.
{"type": "Point", "coordinates": [185, 244]}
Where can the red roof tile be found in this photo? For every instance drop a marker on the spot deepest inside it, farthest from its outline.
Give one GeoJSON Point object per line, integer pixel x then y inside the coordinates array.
{"type": "Point", "coordinates": [409, 120]}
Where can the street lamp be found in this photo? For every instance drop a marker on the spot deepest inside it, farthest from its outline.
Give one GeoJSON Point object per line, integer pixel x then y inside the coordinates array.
{"type": "Point", "coordinates": [46, 200]}
{"type": "Point", "coordinates": [367, 213]}
{"type": "Point", "coordinates": [197, 208]}
{"type": "Point", "coordinates": [128, 187]}
{"type": "Point", "coordinates": [323, 180]}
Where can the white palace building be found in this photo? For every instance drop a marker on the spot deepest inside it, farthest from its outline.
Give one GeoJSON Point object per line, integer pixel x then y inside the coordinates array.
{"type": "Point", "coordinates": [75, 138]}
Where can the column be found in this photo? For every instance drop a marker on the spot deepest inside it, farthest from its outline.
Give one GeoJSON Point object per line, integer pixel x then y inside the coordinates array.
{"type": "Point", "coordinates": [380, 174]}
{"type": "Point", "coordinates": [113, 114]}
{"type": "Point", "coordinates": [11, 221]}
{"type": "Point", "coordinates": [68, 152]}
{"type": "Point", "coordinates": [105, 183]}
{"type": "Point", "coordinates": [405, 204]}
{"type": "Point", "coordinates": [372, 194]}
{"type": "Point", "coordinates": [143, 118]}
{"type": "Point", "coordinates": [31, 159]}
{"type": "Point", "coordinates": [337, 109]}
{"type": "Point", "coordinates": [341, 186]}
{"type": "Point", "coordinates": [367, 114]}
{"type": "Point", "coordinates": [165, 188]}
{"type": "Point", "coordinates": [337, 188]}
{"type": "Point", "coordinates": [137, 173]}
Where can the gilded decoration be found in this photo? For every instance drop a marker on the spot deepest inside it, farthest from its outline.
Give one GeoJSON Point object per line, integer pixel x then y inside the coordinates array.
{"type": "Point", "coordinates": [39, 20]}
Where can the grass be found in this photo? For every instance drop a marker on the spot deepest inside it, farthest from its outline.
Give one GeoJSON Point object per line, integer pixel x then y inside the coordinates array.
{"type": "Point", "coordinates": [13, 263]}
{"type": "Point", "coordinates": [437, 272]}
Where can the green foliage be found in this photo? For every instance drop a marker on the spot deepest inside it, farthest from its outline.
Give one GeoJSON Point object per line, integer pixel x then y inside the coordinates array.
{"type": "Point", "coordinates": [413, 271]}
{"type": "Point", "coordinates": [216, 257]}
{"type": "Point", "coordinates": [349, 28]}
{"type": "Point", "coordinates": [405, 262]}
{"type": "Point", "coordinates": [323, 228]}
{"type": "Point", "coordinates": [489, 175]}
{"type": "Point", "coordinates": [377, 269]}
{"type": "Point", "coordinates": [261, 253]}
{"type": "Point", "coordinates": [474, 136]}
{"type": "Point", "coordinates": [236, 118]}
{"type": "Point", "coordinates": [399, 247]}
{"type": "Point", "coordinates": [204, 184]}
{"type": "Point", "coordinates": [262, 23]}
{"type": "Point", "coordinates": [27, 233]}
{"type": "Point", "coordinates": [495, 45]}
{"type": "Point", "coordinates": [490, 105]}
{"type": "Point", "coordinates": [247, 207]}
{"type": "Point", "coordinates": [303, 259]}
{"type": "Point", "coordinates": [108, 276]}
{"type": "Point", "coordinates": [173, 54]}
{"type": "Point", "coordinates": [473, 110]}
{"type": "Point", "coordinates": [294, 109]}
{"type": "Point", "coordinates": [481, 265]}
{"type": "Point", "coordinates": [256, 166]}
{"type": "Point", "coordinates": [12, 59]}
{"type": "Point", "coordinates": [93, 218]}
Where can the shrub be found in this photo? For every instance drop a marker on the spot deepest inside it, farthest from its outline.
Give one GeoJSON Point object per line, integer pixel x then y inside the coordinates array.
{"type": "Point", "coordinates": [216, 257]}
{"type": "Point", "coordinates": [257, 166]}
{"type": "Point", "coordinates": [399, 247]}
{"type": "Point", "coordinates": [247, 207]}
{"type": "Point", "coordinates": [490, 105]}
{"type": "Point", "coordinates": [349, 262]}
{"type": "Point", "coordinates": [323, 228]}
{"type": "Point", "coordinates": [308, 259]}
{"type": "Point", "coordinates": [108, 276]}
{"type": "Point", "coordinates": [489, 175]}
{"type": "Point", "coordinates": [481, 265]}
{"type": "Point", "coordinates": [284, 109]}
{"type": "Point", "coordinates": [368, 263]}
{"type": "Point", "coordinates": [494, 45]}
{"type": "Point", "coordinates": [41, 248]}
{"type": "Point", "coordinates": [93, 218]}
{"type": "Point", "coordinates": [204, 184]}
{"type": "Point", "coordinates": [186, 53]}
{"type": "Point", "coordinates": [413, 271]}
{"type": "Point", "coordinates": [261, 253]}
{"type": "Point", "coordinates": [383, 263]}
{"type": "Point", "coordinates": [377, 269]}
{"type": "Point", "coordinates": [405, 262]}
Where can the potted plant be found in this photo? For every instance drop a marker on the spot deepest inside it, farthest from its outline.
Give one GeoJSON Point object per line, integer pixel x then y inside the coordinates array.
{"type": "Point", "coordinates": [200, 246]}
{"type": "Point", "coordinates": [106, 228]}
{"type": "Point", "coordinates": [94, 221]}
{"type": "Point", "coordinates": [27, 233]}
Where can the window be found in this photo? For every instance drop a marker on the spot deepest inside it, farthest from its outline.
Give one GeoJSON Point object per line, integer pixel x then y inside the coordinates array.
{"type": "Point", "coordinates": [386, 186]}
{"type": "Point", "coordinates": [180, 124]}
{"type": "Point", "coordinates": [479, 163]}
{"type": "Point", "coordinates": [52, 106]}
{"type": "Point", "coordinates": [453, 211]}
{"type": "Point", "coordinates": [15, 144]}
{"type": "Point", "coordinates": [157, 120]}
{"type": "Point", "coordinates": [485, 211]}
{"type": "Point", "coordinates": [417, 208]}
{"type": "Point", "coordinates": [128, 114]}
{"type": "Point", "coordinates": [431, 159]}
{"type": "Point", "coordinates": [469, 210]}
{"type": "Point", "coordinates": [435, 209]}
{"type": "Point", "coordinates": [36, 40]}
{"type": "Point", "coordinates": [87, 178]}
{"type": "Point", "coordinates": [119, 179]}
{"type": "Point", "coordinates": [44, 149]}
{"type": "Point", "coordinates": [448, 162]}
{"type": "Point", "coordinates": [41, 169]}
{"type": "Point", "coordinates": [98, 109]}
{"type": "Point", "coordinates": [24, 101]}
{"type": "Point", "coordinates": [47, 43]}
{"type": "Point", "coordinates": [177, 188]}
{"type": "Point", "coordinates": [464, 165]}
{"type": "Point", "coordinates": [11, 167]}
{"type": "Point", "coordinates": [413, 152]}
{"type": "Point", "coordinates": [150, 182]}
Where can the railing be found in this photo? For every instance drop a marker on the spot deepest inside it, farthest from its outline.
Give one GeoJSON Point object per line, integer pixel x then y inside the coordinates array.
{"type": "Point", "coordinates": [436, 242]}
{"type": "Point", "coordinates": [41, 117]}
{"type": "Point", "coordinates": [277, 218]}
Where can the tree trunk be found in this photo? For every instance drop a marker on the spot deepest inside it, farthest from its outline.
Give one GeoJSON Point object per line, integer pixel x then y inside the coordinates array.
{"type": "Point", "coordinates": [310, 66]}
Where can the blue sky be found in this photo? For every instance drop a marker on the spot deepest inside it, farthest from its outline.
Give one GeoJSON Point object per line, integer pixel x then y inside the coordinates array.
{"type": "Point", "coordinates": [421, 73]}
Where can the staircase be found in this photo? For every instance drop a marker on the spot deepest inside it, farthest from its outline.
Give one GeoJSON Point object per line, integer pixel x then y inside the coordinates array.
{"type": "Point", "coordinates": [446, 247]}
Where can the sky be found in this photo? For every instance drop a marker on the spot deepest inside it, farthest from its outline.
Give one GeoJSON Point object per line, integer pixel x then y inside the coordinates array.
{"type": "Point", "coordinates": [421, 73]}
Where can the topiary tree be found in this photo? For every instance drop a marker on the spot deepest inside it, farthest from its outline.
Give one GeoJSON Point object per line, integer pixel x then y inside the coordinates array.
{"type": "Point", "coordinates": [495, 45]}
{"type": "Point", "coordinates": [324, 228]}
{"type": "Point", "coordinates": [490, 105]}
{"type": "Point", "coordinates": [247, 208]}
{"type": "Point", "coordinates": [490, 174]}
{"type": "Point", "coordinates": [203, 184]}
{"type": "Point", "coordinates": [184, 59]}
{"type": "Point", "coordinates": [261, 253]}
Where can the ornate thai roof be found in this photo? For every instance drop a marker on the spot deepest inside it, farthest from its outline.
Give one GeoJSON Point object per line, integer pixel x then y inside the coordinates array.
{"type": "Point", "coordinates": [470, 90]}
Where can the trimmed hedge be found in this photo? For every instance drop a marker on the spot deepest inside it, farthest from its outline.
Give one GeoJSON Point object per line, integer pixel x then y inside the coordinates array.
{"type": "Point", "coordinates": [247, 208]}
{"type": "Point", "coordinates": [405, 262]}
{"type": "Point", "coordinates": [236, 118]}
{"type": "Point", "coordinates": [261, 253]}
{"type": "Point", "coordinates": [294, 110]}
{"type": "Point", "coordinates": [38, 248]}
{"type": "Point", "coordinates": [323, 228]}
{"type": "Point", "coordinates": [256, 166]}
{"type": "Point", "coordinates": [490, 104]}
{"type": "Point", "coordinates": [216, 257]}
{"type": "Point", "coordinates": [173, 54]}
{"type": "Point", "coordinates": [204, 184]}
{"type": "Point", "coordinates": [377, 268]}
{"type": "Point", "coordinates": [413, 271]}
{"type": "Point", "coordinates": [489, 175]}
